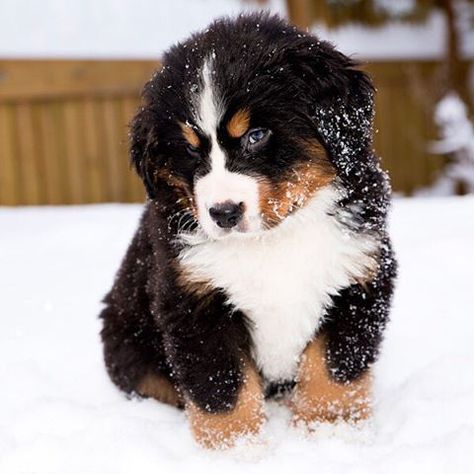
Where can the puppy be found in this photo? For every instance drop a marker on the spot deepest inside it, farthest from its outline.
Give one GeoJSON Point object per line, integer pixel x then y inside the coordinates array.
{"type": "Point", "coordinates": [261, 265]}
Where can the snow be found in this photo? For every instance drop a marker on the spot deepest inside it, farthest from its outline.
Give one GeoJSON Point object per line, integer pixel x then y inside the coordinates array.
{"type": "Point", "coordinates": [457, 141]}
{"type": "Point", "coordinates": [457, 131]}
{"type": "Point", "coordinates": [395, 9]}
{"type": "Point", "coordinates": [59, 413]}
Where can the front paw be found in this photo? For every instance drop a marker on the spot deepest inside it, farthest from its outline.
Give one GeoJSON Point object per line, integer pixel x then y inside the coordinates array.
{"type": "Point", "coordinates": [319, 398]}
{"type": "Point", "coordinates": [223, 430]}
{"type": "Point", "coordinates": [351, 406]}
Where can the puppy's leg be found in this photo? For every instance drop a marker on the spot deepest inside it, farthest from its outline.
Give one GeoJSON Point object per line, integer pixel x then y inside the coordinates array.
{"type": "Point", "coordinates": [245, 418]}
{"type": "Point", "coordinates": [133, 345]}
{"type": "Point", "coordinates": [318, 397]}
{"type": "Point", "coordinates": [335, 380]}
{"type": "Point", "coordinates": [208, 348]}
{"type": "Point", "coordinates": [134, 357]}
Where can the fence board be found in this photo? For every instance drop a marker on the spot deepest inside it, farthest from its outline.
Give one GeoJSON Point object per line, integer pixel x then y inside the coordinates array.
{"type": "Point", "coordinates": [30, 171]}
{"type": "Point", "coordinates": [129, 108]}
{"type": "Point", "coordinates": [9, 192]}
{"type": "Point", "coordinates": [112, 139]}
{"type": "Point", "coordinates": [51, 164]}
{"type": "Point", "coordinates": [403, 118]}
{"type": "Point", "coordinates": [95, 173]}
{"type": "Point", "coordinates": [74, 156]}
{"type": "Point", "coordinates": [37, 79]}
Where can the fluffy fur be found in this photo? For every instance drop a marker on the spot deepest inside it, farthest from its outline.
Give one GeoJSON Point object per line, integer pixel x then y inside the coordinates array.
{"type": "Point", "coordinates": [272, 126]}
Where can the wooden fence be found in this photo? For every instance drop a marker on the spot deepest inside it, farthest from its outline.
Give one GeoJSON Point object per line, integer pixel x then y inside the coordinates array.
{"type": "Point", "coordinates": [404, 127]}
{"type": "Point", "coordinates": [63, 128]}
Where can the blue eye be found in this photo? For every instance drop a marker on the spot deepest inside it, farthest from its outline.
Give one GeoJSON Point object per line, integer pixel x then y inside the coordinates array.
{"type": "Point", "coordinates": [257, 135]}
{"type": "Point", "coordinates": [193, 151]}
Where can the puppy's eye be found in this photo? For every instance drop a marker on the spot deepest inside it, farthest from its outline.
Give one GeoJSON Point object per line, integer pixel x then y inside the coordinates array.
{"type": "Point", "coordinates": [193, 151]}
{"type": "Point", "coordinates": [256, 137]}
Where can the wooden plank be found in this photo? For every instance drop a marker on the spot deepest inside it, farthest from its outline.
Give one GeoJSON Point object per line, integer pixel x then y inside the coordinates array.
{"type": "Point", "coordinates": [112, 137]}
{"type": "Point", "coordinates": [95, 172]}
{"type": "Point", "coordinates": [403, 115]}
{"type": "Point", "coordinates": [73, 157]}
{"type": "Point", "coordinates": [403, 121]}
{"type": "Point", "coordinates": [39, 154]}
{"type": "Point", "coordinates": [29, 79]}
{"type": "Point", "coordinates": [122, 126]}
{"type": "Point", "coordinates": [417, 142]}
{"type": "Point", "coordinates": [62, 144]}
{"type": "Point", "coordinates": [52, 173]}
{"type": "Point", "coordinates": [379, 137]}
{"type": "Point", "coordinates": [102, 149]}
{"type": "Point", "coordinates": [134, 185]}
{"type": "Point", "coordinates": [390, 142]}
{"type": "Point", "coordinates": [433, 163]}
{"type": "Point", "coordinates": [9, 189]}
{"type": "Point", "coordinates": [30, 172]}
{"type": "Point", "coordinates": [300, 13]}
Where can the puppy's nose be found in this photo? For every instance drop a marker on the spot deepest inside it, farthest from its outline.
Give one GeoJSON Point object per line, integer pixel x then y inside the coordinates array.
{"type": "Point", "coordinates": [227, 214]}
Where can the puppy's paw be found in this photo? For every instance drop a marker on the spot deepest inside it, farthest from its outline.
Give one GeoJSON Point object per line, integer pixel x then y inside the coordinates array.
{"type": "Point", "coordinates": [227, 429]}
{"type": "Point", "coordinates": [220, 431]}
{"type": "Point", "coordinates": [318, 398]}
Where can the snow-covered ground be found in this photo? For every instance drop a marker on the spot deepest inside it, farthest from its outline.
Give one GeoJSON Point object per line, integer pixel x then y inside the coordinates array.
{"type": "Point", "coordinates": [59, 413]}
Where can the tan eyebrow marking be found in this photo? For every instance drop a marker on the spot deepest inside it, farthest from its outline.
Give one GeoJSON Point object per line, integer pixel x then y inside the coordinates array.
{"type": "Point", "coordinates": [190, 135]}
{"type": "Point", "coordinates": [239, 123]}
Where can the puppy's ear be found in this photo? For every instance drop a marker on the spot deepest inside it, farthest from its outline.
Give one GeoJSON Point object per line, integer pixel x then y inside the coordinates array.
{"type": "Point", "coordinates": [339, 96]}
{"type": "Point", "coordinates": [143, 148]}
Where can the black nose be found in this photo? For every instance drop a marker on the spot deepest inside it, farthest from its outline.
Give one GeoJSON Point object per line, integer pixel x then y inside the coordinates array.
{"type": "Point", "coordinates": [227, 214]}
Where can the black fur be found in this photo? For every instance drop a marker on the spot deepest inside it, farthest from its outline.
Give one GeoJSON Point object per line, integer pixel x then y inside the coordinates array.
{"type": "Point", "coordinates": [296, 84]}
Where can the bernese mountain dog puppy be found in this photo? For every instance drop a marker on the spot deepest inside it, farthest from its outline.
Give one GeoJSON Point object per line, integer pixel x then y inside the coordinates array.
{"type": "Point", "coordinates": [261, 266]}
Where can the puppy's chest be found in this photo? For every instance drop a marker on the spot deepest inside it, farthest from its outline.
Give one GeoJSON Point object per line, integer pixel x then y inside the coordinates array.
{"type": "Point", "coordinates": [282, 282]}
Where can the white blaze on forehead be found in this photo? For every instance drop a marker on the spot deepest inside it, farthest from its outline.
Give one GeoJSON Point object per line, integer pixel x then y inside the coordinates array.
{"type": "Point", "coordinates": [220, 184]}
{"type": "Point", "coordinates": [210, 114]}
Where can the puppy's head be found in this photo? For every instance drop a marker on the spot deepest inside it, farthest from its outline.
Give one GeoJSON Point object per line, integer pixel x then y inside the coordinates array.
{"type": "Point", "coordinates": [228, 131]}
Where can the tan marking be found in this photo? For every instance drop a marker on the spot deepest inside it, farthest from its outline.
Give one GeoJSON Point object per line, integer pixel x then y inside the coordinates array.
{"type": "Point", "coordinates": [192, 285]}
{"type": "Point", "coordinates": [181, 188]}
{"type": "Point", "coordinates": [202, 289]}
{"type": "Point", "coordinates": [222, 430]}
{"type": "Point", "coordinates": [280, 200]}
{"type": "Point", "coordinates": [178, 184]}
{"type": "Point", "coordinates": [317, 397]}
{"type": "Point", "coordinates": [161, 389]}
{"type": "Point", "coordinates": [174, 181]}
{"type": "Point", "coordinates": [190, 135]}
{"type": "Point", "coordinates": [239, 123]}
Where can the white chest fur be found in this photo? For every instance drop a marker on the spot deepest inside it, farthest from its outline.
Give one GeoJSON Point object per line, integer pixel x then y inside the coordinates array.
{"type": "Point", "coordinates": [284, 279]}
